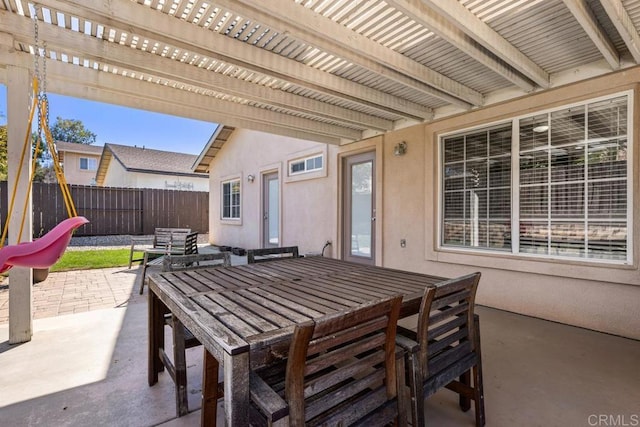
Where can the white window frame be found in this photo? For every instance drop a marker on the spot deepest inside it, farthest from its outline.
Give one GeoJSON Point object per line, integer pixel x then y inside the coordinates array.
{"type": "Point", "coordinates": [515, 186]}
{"type": "Point", "coordinates": [90, 162]}
{"type": "Point", "coordinates": [231, 217]}
{"type": "Point", "coordinates": [304, 160]}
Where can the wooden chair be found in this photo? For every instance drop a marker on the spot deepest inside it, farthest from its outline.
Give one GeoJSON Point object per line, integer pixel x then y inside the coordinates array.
{"type": "Point", "coordinates": [445, 347]}
{"type": "Point", "coordinates": [271, 254]}
{"type": "Point", "coordinates": [186, 246]}
{"type": "Point", "coordinates": [195, 261]}
{"type": "Point", "coordinates": [343, 368]}
{"type": "Point", "coordinates": [182, 337]}
{"type": "Point", "coordinates": [162, 237]}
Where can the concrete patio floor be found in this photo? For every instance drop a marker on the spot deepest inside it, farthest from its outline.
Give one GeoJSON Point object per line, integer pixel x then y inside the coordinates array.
{"type": "Point", "coordinates": [89, 367]}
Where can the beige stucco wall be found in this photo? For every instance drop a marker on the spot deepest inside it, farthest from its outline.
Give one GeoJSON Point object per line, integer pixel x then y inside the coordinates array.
{"type": "Point", "coordinates": [72, 172]}
{"type": "Point", "coordinates": [117, 176]}
{"type": "Point", "coordinates": [595, 296]}
{"type": "Point", "coordinates": [169, 182]}
{"type": "Point", "coordinates": [308, 206]}
{"type": "Point", "coordinates": [578, 293]}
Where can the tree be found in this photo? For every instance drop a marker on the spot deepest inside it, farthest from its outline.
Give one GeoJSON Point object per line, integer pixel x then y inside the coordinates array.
{"type": "Point", "coordinates": [40, 170]}
{"type": "Point", "coordinates": [70, 130]}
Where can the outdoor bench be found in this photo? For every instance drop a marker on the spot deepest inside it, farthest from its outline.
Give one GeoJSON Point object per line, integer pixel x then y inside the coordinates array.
{"type": "Point", "coordinates": [161, 239]}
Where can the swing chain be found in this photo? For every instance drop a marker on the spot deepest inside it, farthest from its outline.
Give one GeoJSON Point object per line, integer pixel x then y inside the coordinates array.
{"type": "Point", "coordinates": [36, 49]}
{"type": "Point", "coordinates": [40, 77]}
{"type": "Point", "coordinates": [43, 80]}
{"type": "Point", "coordinates": [36, 62]}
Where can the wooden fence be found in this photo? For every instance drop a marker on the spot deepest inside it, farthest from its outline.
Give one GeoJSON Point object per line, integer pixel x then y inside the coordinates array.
{"type": "Point", "coordinates": [116, 211]}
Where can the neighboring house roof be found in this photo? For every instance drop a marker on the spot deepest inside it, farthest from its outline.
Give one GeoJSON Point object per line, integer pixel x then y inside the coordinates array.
{"type": "Point", "coordinates": [73, 147]}
{"type": "Point", "coordinates": [217, 140]}
{"type": "Point", "coordinates": [146, 160]}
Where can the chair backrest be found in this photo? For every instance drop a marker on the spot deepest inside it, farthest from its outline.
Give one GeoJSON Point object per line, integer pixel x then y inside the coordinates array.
{"type": "Point", "coordinates": [271, 254]}
{"type": "Point", "coordinates": [164, 237]}
{"type": "Point", "coordinates": [191, 244]}
{"type": "Point", "coordinates": [446, 324]}
{"type": "Point", "coordinates": [339, 358]}
{"type": "Point", "coordinates": [189, 262]}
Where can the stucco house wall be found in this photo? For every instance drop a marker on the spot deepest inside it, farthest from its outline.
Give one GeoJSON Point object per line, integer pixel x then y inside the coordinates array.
{"type": "Point", "coordinates": [599, 296]}
{"type": "Point", "coordinates": [140, 167]}
{"type": "Point", "coordinates": [307, 206]}
{"type": "Point", "coordinates": [70, 154]}
{"type": "Point", "coordinates": [72, 172]}
{"type": "Point", "coordinates": [586, 294]}
{"type": "Point", "coordinates": [118, 176]}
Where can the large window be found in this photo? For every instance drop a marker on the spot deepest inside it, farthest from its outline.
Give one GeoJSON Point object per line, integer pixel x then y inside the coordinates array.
{"type": "Point", "coordinates": [569, 187]}
{"type": "Point", "coordinates": [231, 199]}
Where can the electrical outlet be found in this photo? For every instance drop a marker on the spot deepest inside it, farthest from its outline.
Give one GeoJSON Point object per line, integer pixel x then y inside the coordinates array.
{"type": "Point", "coordinates": [403, 243]}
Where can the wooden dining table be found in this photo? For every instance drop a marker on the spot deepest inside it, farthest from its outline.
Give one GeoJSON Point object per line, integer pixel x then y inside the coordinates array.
{"type": "Point", "coordinates": [244, 315]}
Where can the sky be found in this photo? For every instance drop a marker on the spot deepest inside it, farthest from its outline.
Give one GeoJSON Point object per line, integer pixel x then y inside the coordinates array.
{"type": "Point", "coordinates": [126, 126]}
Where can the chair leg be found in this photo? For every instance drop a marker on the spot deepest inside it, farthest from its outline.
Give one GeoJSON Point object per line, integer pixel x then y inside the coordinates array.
{"type": "Point", "coordinates": [477, 379]}
{"type": "Point", "coordinates": [416, 391]}
{"type": "Point", "coordinates": [464, 401]}
{"type": "Point", "coordinates": [401, 393]}
{"type": "Point", "coordinates": [131, 256]}
{"type": "Point", "coordinates": [478, 396]}
{"type": "Point", "coordinates": [145, 261]}
{"type": "Point", "coordinates": [180, 364]}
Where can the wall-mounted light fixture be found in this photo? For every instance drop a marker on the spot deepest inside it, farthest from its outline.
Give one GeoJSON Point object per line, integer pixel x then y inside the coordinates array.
{"type": "Point", "coordinates": [400, 149]}
{"type": "Point", "coordinates": [251, 177]}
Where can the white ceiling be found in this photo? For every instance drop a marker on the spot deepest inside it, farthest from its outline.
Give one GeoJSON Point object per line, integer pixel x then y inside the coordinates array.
{"type": "Point", "coordinates": [333, 71]}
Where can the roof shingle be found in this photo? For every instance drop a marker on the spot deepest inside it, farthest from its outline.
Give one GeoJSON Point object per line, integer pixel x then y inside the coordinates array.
{"type": "Point", "coordinates": [143, 159]}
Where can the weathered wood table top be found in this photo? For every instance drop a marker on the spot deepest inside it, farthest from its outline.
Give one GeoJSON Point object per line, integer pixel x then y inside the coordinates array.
{"type": "Point", "coordinates": [244, 315]}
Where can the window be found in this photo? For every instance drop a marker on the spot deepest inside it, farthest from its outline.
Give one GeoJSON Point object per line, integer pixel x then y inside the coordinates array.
{"type": "Point", "coordinates": [231, 199]}
{"type": "Point", "coordinates": [571, 197]}
{"type": "Point", "coordinates": [308, 164]}
{"type": "Point", "coordinates": [88, 164]}
{"type": "Point", "coordinates": [477, 189]}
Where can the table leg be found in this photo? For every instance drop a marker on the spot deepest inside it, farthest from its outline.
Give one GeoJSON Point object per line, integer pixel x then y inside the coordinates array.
{"type": "Point", "coordinates": [180, 367]}
{"type": "Point", "coordinates": [209, 390]}
{"type": "Point", "coordinates": [236, 389]}
{"type": "Point", "coordinates": [156, 336]}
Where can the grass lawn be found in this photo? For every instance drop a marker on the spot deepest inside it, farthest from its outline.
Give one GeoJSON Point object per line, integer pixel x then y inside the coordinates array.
{"type": "Point", "coordinates": [99, 258]}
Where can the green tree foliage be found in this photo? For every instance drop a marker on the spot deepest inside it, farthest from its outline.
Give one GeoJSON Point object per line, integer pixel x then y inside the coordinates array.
{"type": "Point", "coordinates": [70, 130]}
{"type": "Point", "coordinates": [40, 170]}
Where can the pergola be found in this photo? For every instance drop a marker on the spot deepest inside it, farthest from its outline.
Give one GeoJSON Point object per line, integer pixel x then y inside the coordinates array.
{"type": "Point", "coordinates": [331, 71]}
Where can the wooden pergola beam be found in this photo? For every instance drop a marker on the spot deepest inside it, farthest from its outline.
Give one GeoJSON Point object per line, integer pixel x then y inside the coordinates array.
{"type": "Point", "coordinates": [623, 23]}
{"type": "Point", "coordinates": [472, 26]}
{"type": "Point", "coordinates": [585, 17]}
{"type": "Point", "coordinates": [157, 26]}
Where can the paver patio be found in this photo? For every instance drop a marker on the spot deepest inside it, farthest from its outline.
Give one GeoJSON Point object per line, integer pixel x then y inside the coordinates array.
{"type": "Point", "coordinates": [78, 291]}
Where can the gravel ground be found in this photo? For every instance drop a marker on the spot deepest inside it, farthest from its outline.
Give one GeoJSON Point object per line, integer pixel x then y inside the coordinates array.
{"type": "Point", "coordinates": [112, 242]}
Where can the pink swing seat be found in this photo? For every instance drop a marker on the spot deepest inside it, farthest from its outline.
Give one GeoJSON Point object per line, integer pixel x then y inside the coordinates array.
{"type": "Point", "coordinates": [43, 252]}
